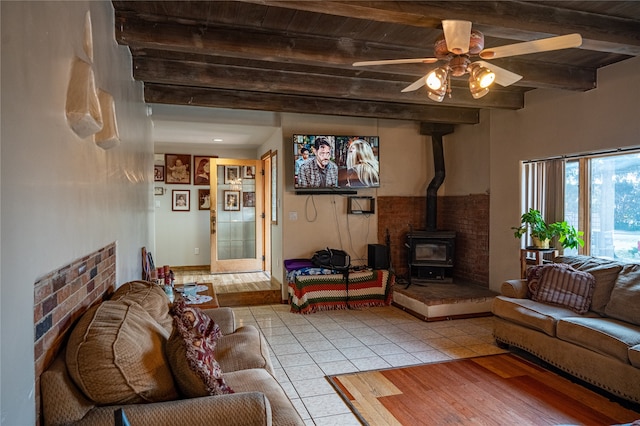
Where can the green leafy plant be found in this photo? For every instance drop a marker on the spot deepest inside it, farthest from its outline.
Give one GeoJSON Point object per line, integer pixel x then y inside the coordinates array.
{"type": "Point", "coordinates": [533, 222]}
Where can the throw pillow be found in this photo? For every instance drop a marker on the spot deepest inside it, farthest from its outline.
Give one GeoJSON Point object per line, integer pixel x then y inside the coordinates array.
{"type": "Point", "coordinates": [190, 351]}
{"type": "Point", "coordinates": [604, 271]}
{"type": "Point", "coordinates": [533, 276]}
{"type": "Point", "coordinates": [115, 355]}
{"type": "Point", "coordinates": [564, 286]}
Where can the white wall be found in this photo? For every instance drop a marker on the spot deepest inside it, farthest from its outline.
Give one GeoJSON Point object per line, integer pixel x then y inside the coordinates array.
{"type": "Point", "coordinates": [554, 123]}
{"type": "Point", "coordinates": [62, 197]}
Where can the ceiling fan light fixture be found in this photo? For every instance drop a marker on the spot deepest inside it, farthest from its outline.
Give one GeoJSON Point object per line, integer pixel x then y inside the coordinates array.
{"type": "Point", "coordinates": [483, 76]}
{"type": "Point", "coordinates": [476, 90]}
{"type": "Point", "coordinates": [436, 79]}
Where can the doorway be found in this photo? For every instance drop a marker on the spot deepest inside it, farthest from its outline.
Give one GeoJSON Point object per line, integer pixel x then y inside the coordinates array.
{"type": "Point", "coordinates": [236, 216]}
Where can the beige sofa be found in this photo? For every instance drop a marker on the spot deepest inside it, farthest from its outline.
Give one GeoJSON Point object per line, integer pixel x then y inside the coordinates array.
{"type": "Point", "coordinates": [600, 346]}
{"type": "Point", "coordinates": [119, 356]}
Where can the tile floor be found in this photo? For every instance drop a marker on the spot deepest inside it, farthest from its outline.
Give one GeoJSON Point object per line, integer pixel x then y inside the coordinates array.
{"type": "Point", "coordinates": [306, 348]}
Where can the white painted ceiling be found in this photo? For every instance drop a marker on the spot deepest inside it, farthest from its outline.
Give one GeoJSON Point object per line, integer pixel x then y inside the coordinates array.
{"type": "Point", "coordinates": [199, 126]}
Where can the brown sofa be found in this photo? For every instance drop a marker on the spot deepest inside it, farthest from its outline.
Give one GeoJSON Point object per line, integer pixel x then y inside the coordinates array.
{"type": "Point", "coordinates": [600, 346]}
{"type": "Point", "coordinates": [117, 356]}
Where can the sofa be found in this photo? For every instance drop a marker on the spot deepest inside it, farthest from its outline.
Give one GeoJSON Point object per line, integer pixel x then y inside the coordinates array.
{"type": "Point", "coordinates": [162, 364]}
{"type": "Point", "coordinates": [580, 314]}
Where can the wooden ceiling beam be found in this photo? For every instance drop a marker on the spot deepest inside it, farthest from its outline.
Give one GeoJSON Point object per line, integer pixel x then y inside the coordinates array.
{"type": "Point", "coordinates": [319, 51]}
{"type": "Point", "coordinates": [307, 84]}
{"type": "Point", "coordinates": [517, 20]}
{"type": "Point", "coordinates": [237, 99]}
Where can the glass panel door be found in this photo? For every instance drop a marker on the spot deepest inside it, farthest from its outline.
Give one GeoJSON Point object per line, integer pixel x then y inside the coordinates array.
{"type": "Point", "coordinates": [236, 215]}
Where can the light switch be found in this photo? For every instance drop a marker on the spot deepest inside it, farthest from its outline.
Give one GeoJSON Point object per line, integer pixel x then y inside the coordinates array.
{"type": "Point", "coordinates": [293, 216]}
{"type": "Point", "coordinates": [157, 204]}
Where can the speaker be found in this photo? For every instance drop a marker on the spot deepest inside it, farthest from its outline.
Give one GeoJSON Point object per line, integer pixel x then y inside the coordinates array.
{"type": "Point", "coordinates": [378, 256]}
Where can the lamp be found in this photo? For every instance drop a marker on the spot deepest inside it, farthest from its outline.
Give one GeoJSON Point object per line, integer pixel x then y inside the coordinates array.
{"type": "Point", "coordinates": [480, 78]}
{"type": "Point", "coordinates": [436, 79]}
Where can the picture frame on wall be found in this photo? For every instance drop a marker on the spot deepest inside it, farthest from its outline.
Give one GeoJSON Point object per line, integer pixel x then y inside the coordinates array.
{"type": "Point", "coordinates": [249, 199]}
{"type": "Point", "coordinates": [201, 170]}
{"type": "Point", "coordinates": [231, 174]}
{"type": "Point", "coordinates": [249, 172]}
{"type": "Point", "coordinates": [158, 190]}
{"type": "Point", "coordinates": [180, 200]}
{"type": "Point", "coordinates": [231, 201]}
{"type": "Point", "coordinates": [204, 199]}
{"type": "Point", "coordinates": [177, 168]}
{"type": "Point", "coordinates": [158, 173]}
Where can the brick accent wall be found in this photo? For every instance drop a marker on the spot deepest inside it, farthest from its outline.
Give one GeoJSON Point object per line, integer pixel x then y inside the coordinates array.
{"type": "Point", "coordinates": [61, 297]}
{"type": "Point", "coordinates": [467, 215]}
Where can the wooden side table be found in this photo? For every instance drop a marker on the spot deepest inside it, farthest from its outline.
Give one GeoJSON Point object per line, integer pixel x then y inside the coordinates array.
{"type": "Point", "coordinates": [535, 255]}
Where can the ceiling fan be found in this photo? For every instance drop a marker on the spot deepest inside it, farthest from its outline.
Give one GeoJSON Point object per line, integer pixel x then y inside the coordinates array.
{"type": "Point", "coordinates": [457, 45]}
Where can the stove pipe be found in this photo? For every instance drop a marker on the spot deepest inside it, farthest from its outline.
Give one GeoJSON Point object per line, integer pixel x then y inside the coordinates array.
{"type": "Point", "coordinates": [436, 131]}
{"type": "Point", "coordinates": [434, 185]}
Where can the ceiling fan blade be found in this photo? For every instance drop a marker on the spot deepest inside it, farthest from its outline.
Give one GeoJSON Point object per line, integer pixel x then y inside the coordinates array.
{"type": "Point", "coordinates": [542, 45]}
{"type": "Point", "coordinates": [457, 35]}
{"type": "Point", "coordinates": [397, 61]}
{"type": "Point", "coordinates": [503, 77]}
{"type": "Point", "coordinates": [415, 85]}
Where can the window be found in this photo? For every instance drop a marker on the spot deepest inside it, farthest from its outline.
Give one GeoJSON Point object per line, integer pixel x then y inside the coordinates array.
{"type": "Point", "coordinates": [600, 196]}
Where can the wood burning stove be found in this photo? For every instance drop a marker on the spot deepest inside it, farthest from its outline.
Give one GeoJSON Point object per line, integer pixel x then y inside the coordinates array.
{"type": "Point", "coordinates": [431, 254]}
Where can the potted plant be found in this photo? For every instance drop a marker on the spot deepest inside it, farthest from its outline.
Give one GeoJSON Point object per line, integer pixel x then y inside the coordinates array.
{"type": "Point", "coordinates": [541, 232]}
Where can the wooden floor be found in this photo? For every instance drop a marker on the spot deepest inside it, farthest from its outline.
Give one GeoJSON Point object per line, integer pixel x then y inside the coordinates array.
{"type": "Point", "coordinates": [234, 289]}
{"type": "Point", "coordinates": [491, 390]}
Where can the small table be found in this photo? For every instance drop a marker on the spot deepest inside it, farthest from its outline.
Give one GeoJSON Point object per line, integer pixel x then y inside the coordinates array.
{"type": "Point", "coordinates": [213, 303]}
{"type": "Point", "coordinates": [537, 258]}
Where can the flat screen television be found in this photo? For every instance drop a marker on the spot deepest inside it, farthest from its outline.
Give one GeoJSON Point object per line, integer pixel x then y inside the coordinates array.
{"type": "Point", "coordinates": [335, 163]}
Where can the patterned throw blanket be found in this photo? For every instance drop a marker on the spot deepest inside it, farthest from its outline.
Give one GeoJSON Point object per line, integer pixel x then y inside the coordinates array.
{"type": "Point", "coordinates": [318, 289]}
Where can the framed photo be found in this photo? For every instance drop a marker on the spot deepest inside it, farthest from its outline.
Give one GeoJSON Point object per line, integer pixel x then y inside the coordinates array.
{"type": "Point", "coordinates": [204, 199]}
{"type": "Point", "coordinates": [158, 190]}
{"type": "Point", "coordinates": [231, 201]}
{"type": "Point", "coordinates": [249, 172]}
{"type": "Point", "coordinates": [231, 174]}
{"type": "Point", "coordinates": [180, 200]}
{"type": "Point", "coordinates": [158, 173]}
{"type": "Point", "coordinates": [248, 199]}
{"type": "Point", "coordinates": [201, 170]}
{"type": "Point", "coordinates": [177, 168]}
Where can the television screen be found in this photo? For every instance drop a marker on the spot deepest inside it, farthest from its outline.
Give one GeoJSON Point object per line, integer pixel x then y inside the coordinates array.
{"type": "Point", "coordinates": [338, 162]}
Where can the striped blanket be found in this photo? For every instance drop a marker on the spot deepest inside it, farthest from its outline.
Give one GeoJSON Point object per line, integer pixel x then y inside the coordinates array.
{"type": "Point", "coordinates": [318, 292]}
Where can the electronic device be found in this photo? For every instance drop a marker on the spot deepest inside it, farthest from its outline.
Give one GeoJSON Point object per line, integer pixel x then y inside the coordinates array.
{"type": "Point", "coordinates": [355, 158]}
{"type": "Point", "coordinates": [378, 256]}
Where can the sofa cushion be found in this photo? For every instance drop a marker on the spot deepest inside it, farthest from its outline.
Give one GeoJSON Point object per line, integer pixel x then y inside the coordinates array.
{"type": "Point", "coordinates": [634, 356]}
{"type": "Point", "coordinates": [258, 379]}
{"type": "Point", "coordinates": [151, 297]}
{"type": "Point", "coordinates": [190, 351]}
{"type": "Point", "coordinates": [604, 335]}
{"type": "Point", "coordinates": [625, 296]}
{"type": "Point", "coordinates": [531, 314]}
{"type": "Point", "coordinates": [603, 270]}
{"type": "Point", "coordinates": [244, 349]}
{"type": "Point", "coordinates": [564, 286]}
{"type": "Point", "coordinates": [115, 355]}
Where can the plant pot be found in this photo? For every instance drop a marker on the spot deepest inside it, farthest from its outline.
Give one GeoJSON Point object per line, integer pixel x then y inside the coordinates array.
{"type": "Point", "coordinates": [541, 244]}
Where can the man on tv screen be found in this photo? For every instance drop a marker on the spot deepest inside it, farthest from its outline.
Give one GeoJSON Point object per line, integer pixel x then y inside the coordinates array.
{"type": "Point", "coordinates": [319, 171]}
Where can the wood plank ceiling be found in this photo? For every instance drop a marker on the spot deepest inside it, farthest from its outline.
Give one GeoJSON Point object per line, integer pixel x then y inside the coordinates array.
{"type": "Point", "coordinates": [296, 56]}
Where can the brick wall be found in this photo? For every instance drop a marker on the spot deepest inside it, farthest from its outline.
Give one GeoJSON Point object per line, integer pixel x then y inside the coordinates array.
{"type": "Point", "coordinates": [61, 297]}
{"type": "Point", "coordinates": [467, 215]}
